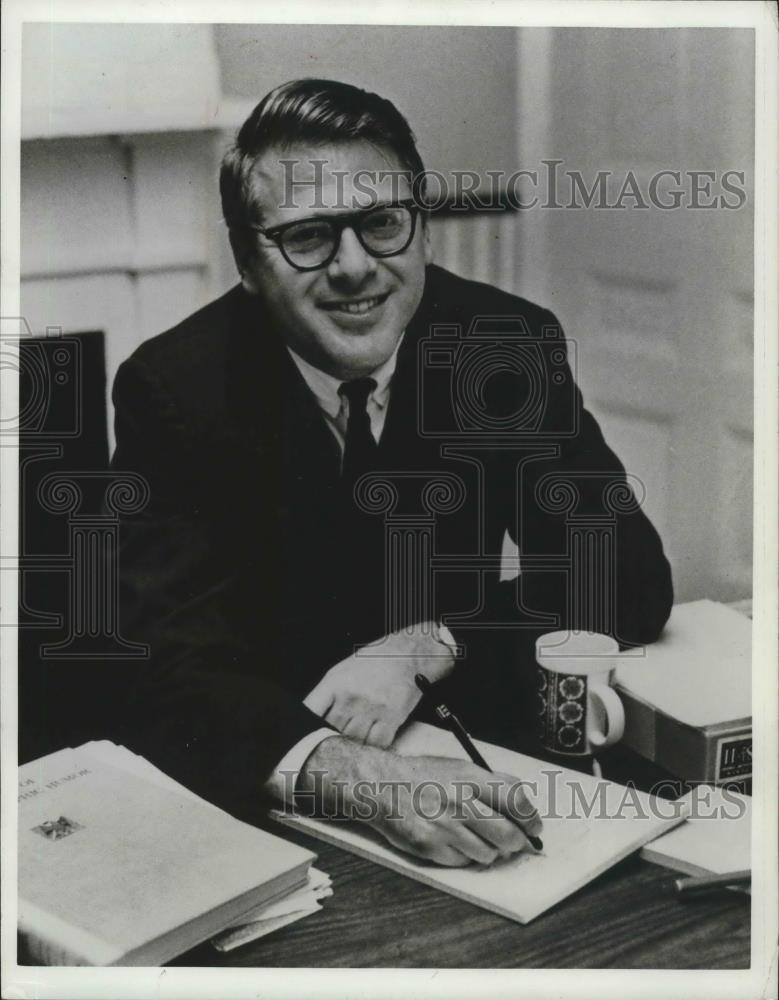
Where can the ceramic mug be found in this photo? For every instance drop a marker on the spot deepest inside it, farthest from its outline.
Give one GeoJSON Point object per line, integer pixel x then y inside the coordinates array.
{"type": "Point", "coordinates": [578, 711]}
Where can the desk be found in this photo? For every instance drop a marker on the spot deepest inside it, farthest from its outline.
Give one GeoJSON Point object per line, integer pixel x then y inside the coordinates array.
{"type": "Point", "coordinates": [628, 918]}
{"type": "Point", "coordinates": [625, 919]}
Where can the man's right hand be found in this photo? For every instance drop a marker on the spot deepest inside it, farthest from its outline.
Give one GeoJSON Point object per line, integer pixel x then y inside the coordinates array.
{"type": "Point", "coordinates": [440, 809]}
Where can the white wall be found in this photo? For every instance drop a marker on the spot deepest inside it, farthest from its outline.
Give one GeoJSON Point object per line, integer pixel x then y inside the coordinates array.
{"type": "Point", "coordinates": [455, 86]}
{"type": "Point", "coordinates": [659, 302]}
{"type": "Point", "coordinates": [119, 233]}
{"type": "Point", "coordinates": [124, 127]}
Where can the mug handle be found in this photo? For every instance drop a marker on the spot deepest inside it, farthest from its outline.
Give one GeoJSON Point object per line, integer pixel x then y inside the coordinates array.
{"type": "Point", "coordinates": [615, 716]}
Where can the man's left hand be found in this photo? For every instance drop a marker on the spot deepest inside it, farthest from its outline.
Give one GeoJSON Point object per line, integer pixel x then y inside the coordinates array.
{"type": "Point", "coordinates": [369, 695]}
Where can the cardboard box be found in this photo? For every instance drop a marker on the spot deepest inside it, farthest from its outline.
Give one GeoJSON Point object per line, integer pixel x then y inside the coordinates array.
{"type": "Point", "coordinates": [688, 697]}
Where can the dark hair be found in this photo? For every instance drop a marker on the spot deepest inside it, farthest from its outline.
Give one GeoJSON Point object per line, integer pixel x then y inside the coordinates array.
{"type": "Point", "coordinates": [314, 112]}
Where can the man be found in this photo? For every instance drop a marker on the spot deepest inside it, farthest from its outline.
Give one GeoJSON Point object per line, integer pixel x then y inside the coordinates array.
{"type": "Point", "coordinates": [283, 427]}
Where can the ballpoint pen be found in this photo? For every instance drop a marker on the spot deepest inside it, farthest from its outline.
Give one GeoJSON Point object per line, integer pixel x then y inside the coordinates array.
{"type": "Point", "coordinates": [698, 884]}
{"type": "Point", "coordinates": [451, 721]}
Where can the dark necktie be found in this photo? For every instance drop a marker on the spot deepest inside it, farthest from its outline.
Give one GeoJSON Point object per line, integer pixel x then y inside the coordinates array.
{"type": "Point", "coordinates": [360, 447]}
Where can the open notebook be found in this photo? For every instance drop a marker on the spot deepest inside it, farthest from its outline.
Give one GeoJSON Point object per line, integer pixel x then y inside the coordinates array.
{"type": "Point", "coordinates": [577, 846]}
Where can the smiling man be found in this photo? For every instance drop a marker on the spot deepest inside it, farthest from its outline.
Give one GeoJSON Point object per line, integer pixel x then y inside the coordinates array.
{"type": "Point", "coordinates": [341, 287]}
{"type": "Point", "coordinates": [287, 429]}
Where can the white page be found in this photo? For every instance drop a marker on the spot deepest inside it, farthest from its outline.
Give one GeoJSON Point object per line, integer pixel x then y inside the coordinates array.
{"type": "Point", "coordinates": [299, 902]}
{"type": "Point", "coordinates": [245, 933]}
{"type": "Point", "coordinates": [699, 670]}
{"type": "Point", "coordinates": [576, 849]}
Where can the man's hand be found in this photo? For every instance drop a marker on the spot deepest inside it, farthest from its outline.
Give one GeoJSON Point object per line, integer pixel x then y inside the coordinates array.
{"type": "Point", "coordinates": [369, 695]}
{"type": "Point", "coordinates": [443, 810]}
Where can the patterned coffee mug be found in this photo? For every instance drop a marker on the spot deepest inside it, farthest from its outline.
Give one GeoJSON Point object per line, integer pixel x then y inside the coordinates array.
{"type": "Point", "coordinates": [577, 710]}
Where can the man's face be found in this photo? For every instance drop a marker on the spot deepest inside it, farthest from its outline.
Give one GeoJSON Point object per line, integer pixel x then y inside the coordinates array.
{"type": "Point", "coordinates": [317, 311]}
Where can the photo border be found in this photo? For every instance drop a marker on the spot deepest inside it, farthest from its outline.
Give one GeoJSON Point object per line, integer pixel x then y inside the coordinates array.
{"type": "Point", "coordinates": [760, 979]}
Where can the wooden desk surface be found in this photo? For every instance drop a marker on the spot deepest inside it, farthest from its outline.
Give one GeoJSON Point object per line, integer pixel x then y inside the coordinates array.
{"type": "Point", "coordinates": [626, 919]}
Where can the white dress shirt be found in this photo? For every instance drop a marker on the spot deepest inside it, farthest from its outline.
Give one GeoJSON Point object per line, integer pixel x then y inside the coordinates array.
{"type": "Point", "coordinates": [335, 409]}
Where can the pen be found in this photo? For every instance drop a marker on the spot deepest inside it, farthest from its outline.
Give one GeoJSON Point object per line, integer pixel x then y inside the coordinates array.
{"type": "Point", "coordinates": [704, 883]}
{"type": "Point", "coordinates": [456, 727]}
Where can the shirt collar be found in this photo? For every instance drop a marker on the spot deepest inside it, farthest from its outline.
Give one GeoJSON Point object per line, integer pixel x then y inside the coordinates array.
{"type": "Point", "coordinates": [325, 387]}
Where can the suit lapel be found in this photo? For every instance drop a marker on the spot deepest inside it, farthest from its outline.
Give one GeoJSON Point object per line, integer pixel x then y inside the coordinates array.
{"type": "Point", "coordinates": [279, 420]}
{"type": "Point", "coordinates": [402, 440]}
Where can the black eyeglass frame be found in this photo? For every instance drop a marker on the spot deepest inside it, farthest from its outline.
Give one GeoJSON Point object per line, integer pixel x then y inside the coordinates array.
{"type": "Point", "coordinates": [338, 223]}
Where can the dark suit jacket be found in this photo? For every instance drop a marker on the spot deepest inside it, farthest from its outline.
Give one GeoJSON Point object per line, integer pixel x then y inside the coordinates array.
{"type": "Point", "coordinates": [252, 570]}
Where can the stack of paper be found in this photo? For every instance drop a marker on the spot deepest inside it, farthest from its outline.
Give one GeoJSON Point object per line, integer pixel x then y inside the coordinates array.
{"type": "Point", "coordinates": [121, 865]}
{"type": "Point", "coordinates": [714, 839]}
{"type": "Point", "coordinates": [265, 918]}
{"type": "Point", "coordinates": [688, 696]}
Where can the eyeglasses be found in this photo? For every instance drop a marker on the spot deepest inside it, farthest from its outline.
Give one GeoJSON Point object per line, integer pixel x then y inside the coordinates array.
{"type": "Point", "coordinates": [309, 244]}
